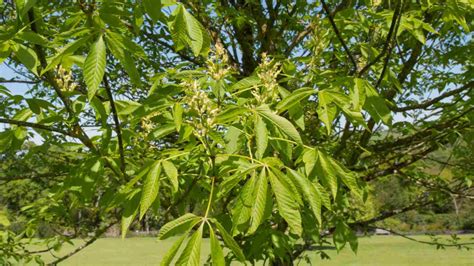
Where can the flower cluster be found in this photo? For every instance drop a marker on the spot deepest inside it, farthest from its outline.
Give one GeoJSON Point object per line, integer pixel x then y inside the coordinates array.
{"type": "Point", "coordinates": [204, 111]}
{"type": "Point", "coordinates": [64, 79]}
{"type": "Point", "coordinates": [268, 72]}
{"type": "Point", "coordinates": [217, 64]}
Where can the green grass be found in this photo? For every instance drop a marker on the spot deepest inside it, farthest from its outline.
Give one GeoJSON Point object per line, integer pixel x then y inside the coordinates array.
{"type": "Point", "coordinates": [378, 250]}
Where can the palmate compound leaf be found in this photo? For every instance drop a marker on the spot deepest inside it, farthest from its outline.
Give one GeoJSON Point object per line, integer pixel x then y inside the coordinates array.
{"type": "Point", "coordinates": [94, 66]}
{"type": "Point", "coordinates": [279, 122]}
{"type": "Point", "coordinates": [150, 187]}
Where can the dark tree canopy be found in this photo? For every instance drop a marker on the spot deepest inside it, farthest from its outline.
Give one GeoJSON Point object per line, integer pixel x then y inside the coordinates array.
{"type": "Point", "coordinates": [262, 125]}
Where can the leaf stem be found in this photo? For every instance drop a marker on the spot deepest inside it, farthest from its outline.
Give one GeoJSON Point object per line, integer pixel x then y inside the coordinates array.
{"type": "Point", "coordinates": [210, 197]}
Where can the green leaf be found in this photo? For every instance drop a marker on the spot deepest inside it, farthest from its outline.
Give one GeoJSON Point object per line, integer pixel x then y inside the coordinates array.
{"type": "Point", "coordinates": [171, 253]}
{"type": "Point", "coordinates": [163, 130]}
{"type": "Point", "coordinates": [116, 44]}
{"type": "Point", "coordinates": [178, 115]}
{"type": "Point", "coordinates": [294, 98]}
{"type": "Point", "coordinates": [4, 219]}
{"type": "Point", "coordinates": [32, 37]}
{"type": "Point", "coordinates": [230, 114]}
{"type": "Point", "coordinates": [349, 178]}
{"type": "Point", "coordinates": [310, 194]}
{"type": "Point", "coordinates": [287, 206]}
{"type": "Point", "coordinates": [130, 211]}
{"type": "Point", "coordinates": [28, 58]}
{"type": "Point", "coordinates": [326, 109]}
{"type": "Point", "coordinates": [94, 67]}
{"type": "Point", "coordinates": [217, 253]}
{"type": "Point", "coordinates": [186, 30]}
{"type": "Point", "coordinates": [280, 122]}
{"type": "Point", "coordinates": [326, 173]}
{"type": "Point", "coordinates": [229, 241]}
{"type": "Point", "coordinates": [376, 106]}
{"type": "Point", "coordinates": [243, 203]}
{"type": "Point", "coordinates": [261, 136]}
{"type": "Point", "coordinates": [150, 188]}
{"type": "Point", "coordinates": [258, 209]}
{"type": "Point", "coordinates": [245, 83]}
{"type": "Point", "coordinates": [152, 8]}
{"type": "Point", "coordinates": [172, 174]}
{"type": "Point", "coordinates": [68, 49]}
{"type": "Point", "coordinates": [192, 252]}
{"type": "Point", "coordinates": [179, 225]}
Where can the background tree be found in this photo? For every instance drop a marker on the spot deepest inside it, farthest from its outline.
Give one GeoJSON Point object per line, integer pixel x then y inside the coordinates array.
{"type": "Point", "coordinates": [261, 124]}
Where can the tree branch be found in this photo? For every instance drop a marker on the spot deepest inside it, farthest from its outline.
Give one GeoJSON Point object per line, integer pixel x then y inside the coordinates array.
{"type": "Point", "coordinates": [118, 128]}
{"type": "Point", "coordinates": [435, 100]}
{"type": "Point", "coordinates": [37, 126]}
{"type": "Point", "coordinates": [338, 34]}
{"type": "Point", "coordinates": [19, 81]}
{"type": "Point", "coordinates": [396, 15]}
{"type": "Point", "coordinates": [97, 234]}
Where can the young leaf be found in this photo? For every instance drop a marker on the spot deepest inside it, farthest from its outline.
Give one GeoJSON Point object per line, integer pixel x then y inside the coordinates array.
{"type": "Point", "coordinates": [192, 252]}
{"type": "Point", "coordinates": [261, 137]}
{"type": "Point", "coordinates": [280, 122]}
{"type": "Point", "coordinates": [287, 206]}
{"type": "Point", "coordinates": [150, 188]}
{"type": "Point", "coordinates": [172, 174]}
{"type": "Point", "coordinates": [94, 67]}
{"type": "Point", "coordinates": [183, 223]}
{"type": "Point", "coordinates": [217, 254]}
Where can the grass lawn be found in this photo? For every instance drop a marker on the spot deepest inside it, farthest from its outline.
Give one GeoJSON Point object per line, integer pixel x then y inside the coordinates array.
{"type": "Point", "coordinates": [377, 250]}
